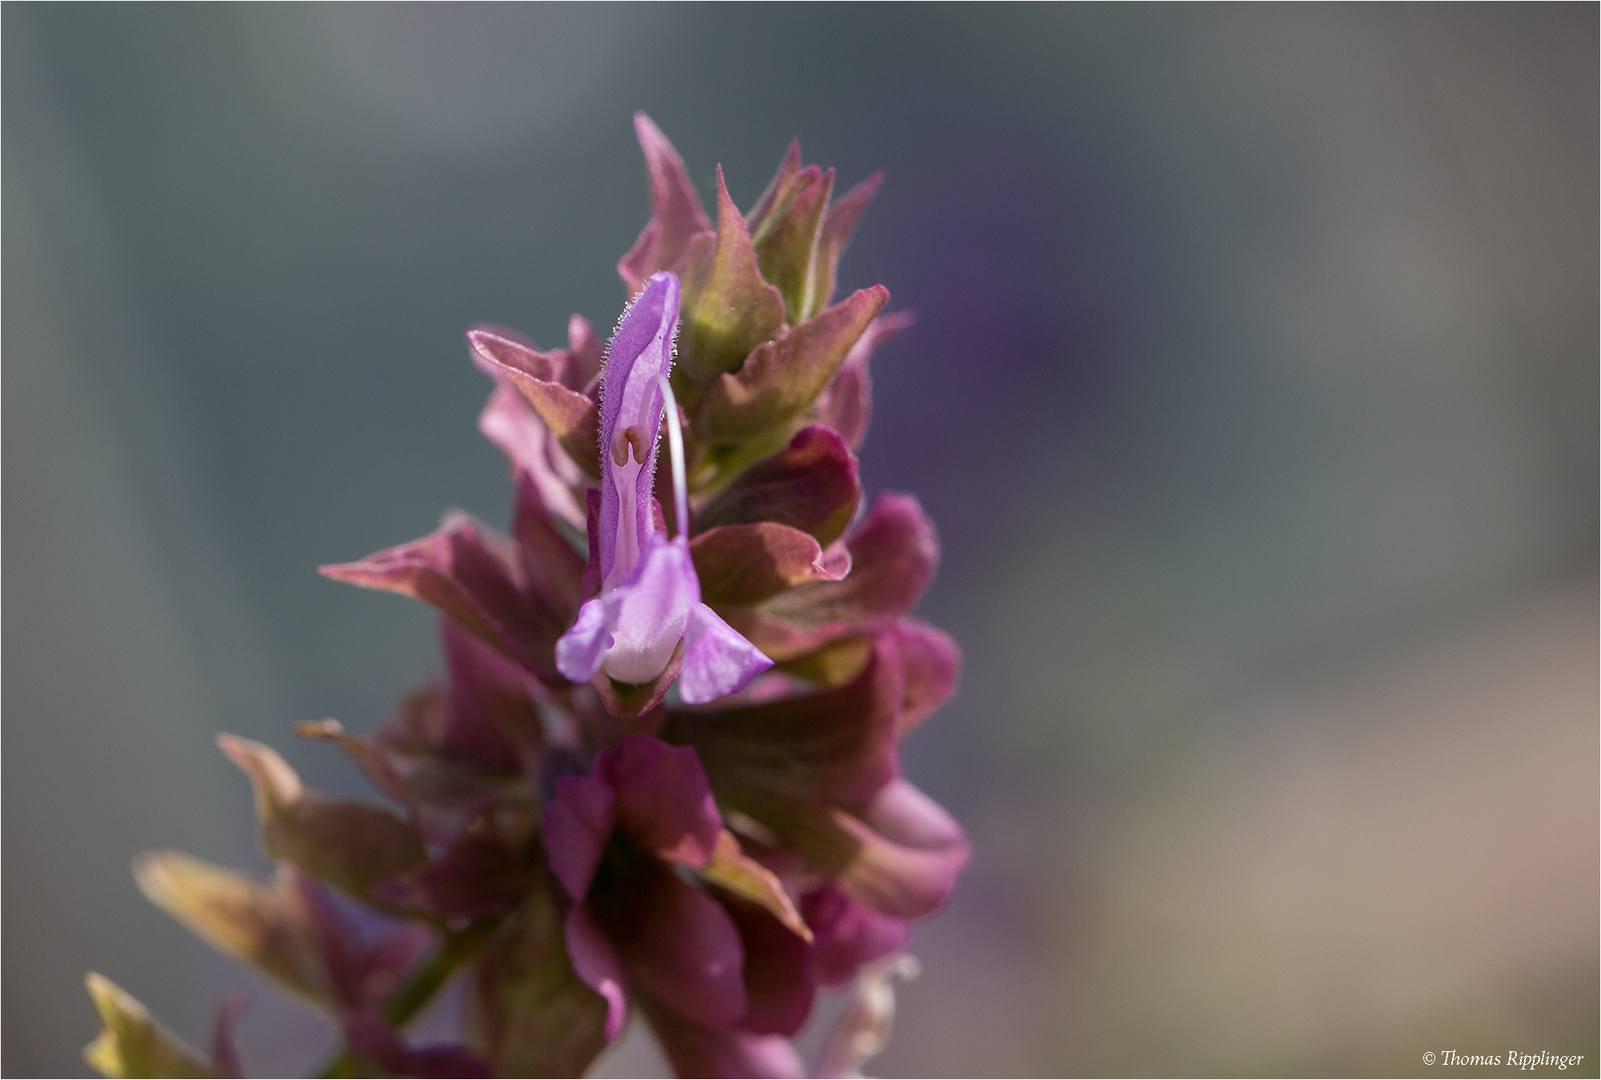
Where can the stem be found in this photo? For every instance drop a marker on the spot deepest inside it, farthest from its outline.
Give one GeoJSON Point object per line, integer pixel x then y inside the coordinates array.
{"type": "Point", "coordinates": [419, 989]}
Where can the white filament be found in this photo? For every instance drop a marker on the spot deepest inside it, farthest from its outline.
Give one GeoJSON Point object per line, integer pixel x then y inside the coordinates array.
{"type": "Point", "coordinates": [675, 445]}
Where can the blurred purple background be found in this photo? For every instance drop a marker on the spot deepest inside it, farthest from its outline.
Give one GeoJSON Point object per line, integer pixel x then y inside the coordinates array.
{"type": "Point", "coordinates": [1253, 390]}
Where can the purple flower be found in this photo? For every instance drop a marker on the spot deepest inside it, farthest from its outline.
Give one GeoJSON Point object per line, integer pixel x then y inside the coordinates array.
{"type": "Point", "coordinates": [649, 604]}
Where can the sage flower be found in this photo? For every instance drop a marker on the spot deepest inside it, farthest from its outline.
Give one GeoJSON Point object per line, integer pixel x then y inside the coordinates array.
{"type": "Point", "coordinates": [649, 605]}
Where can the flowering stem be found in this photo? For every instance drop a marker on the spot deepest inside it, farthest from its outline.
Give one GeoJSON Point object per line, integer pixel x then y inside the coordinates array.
{"type": "Point", "coordinates": [419, 989]}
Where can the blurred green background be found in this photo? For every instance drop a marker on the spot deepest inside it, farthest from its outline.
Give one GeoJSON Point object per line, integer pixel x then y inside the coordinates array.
{"type": "Point", "coordinates": [1254, 392]}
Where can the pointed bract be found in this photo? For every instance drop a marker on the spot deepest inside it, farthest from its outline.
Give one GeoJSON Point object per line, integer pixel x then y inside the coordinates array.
{"type": "Point", "coordinates": [781, 379]}
{"type": "Point", "coordinates": [350, 845]}
{"type": "Point", "coordinates": [900, 880]}
{"type": "Point", "coordinates": [263, 924]}
{"type": "Point", "coordinates": [133, 1043]}
{"type": "Point", "coordinates": [288, 928]}
{"type": "Point", "coordinates": [834, 235]}
{"type": "Point", "coordinates": [563, 844]}
{"type": "Point", "coordinates": [728, 308]}
{"type": "Point", "coordinates": [508, 421]}
{"type": "Point", "coordinates": [743, 876]}
{"type": "Point", "coordinates": [777, 189]}
{"type": "Point", "coordinates": [472, 574]}
{"type": "Point", "coordinates": [788, 245]}
{"type": "Point", "coordinates": [570, 416]}
{"type": "Point", "coordinates": [675, 209]}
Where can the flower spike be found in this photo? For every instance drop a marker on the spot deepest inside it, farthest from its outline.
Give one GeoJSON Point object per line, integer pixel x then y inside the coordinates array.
{"type": "Point", "coordinates": [568, 845]}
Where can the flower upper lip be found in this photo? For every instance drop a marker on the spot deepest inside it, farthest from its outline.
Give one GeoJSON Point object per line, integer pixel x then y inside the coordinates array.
{"type": "Point", "coordinates": [631, 403]}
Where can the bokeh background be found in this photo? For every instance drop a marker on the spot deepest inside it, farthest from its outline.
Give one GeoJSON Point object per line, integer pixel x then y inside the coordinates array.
{"type": "Point", "coordinates": [1254, 392]}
